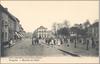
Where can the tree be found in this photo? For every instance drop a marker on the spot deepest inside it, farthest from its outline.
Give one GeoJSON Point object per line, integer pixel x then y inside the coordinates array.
{"type": "Point", "coordinates": [87, 23]}
{"type": "Point", "coordinates": [54, 28]}
{"type": "Point", "coordinates": [86, 33]}
{"type": "Point", "coordinates": [66, 24]}
{"type": "Point", "coordinates": [74, 30]}
{"type": "Point", "coordinates": [63, 32]}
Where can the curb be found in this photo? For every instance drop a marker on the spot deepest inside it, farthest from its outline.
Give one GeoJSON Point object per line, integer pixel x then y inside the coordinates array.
{"type": "Point", "coordinates": [72, 54]}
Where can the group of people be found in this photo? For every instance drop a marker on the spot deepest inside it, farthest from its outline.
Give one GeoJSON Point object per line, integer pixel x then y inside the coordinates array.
{"type": "Point", "coordinates": [9, 43]}
{"type": "Point", "coordinates": [54, 41]}
{"type": "Point", "coordinates": [48, 41]}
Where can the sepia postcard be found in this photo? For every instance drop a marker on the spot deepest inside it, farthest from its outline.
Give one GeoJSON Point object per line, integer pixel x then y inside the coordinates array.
{"type": "Point", "coordinates": [49, 31]}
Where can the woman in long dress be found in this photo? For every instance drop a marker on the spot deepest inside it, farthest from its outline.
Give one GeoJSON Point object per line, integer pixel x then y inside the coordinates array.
{"type": "Point", "coordinates": [59, 42]}
{"type": "Point", "coordinates": [52, 42]}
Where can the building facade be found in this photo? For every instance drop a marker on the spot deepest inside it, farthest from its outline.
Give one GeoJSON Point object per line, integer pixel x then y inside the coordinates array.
{"type": "Point", "coordinates": [93, 31]}
{"type": "Point", "coordinates": [4, 24]}
{"type": "Point", "coordinates": [9, 25]}
{"type": "Point", "coordinates": [3, 29]}
{"type": "Point", "coordinates": [88, 36]}
{"type": "Point", "coordinates": [41, 32]}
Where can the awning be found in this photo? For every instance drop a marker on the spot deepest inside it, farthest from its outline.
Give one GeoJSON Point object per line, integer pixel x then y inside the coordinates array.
{"type": "Point", "coordinates": [21, 35]}
{"type": "Point", "coordinates": [17, 34]}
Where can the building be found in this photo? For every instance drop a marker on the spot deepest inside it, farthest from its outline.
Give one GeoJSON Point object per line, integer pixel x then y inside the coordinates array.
{"type": "Point", "coordinates": [3, 28]}
{"type": "Point", "coordinates": [41, 32]}
{"type": "Point", "coordinates": [88, 35]}
{"type": "Point", "coordinates": [9, 28]}
{"type": "Point", "coordinates": [93, 32]}
{"type": "Point", "coordinates": [9, 25]}
{"type": "Point", "coordinates": [12, 27]}
{"type": "Point", "coordinates": [4, 24]}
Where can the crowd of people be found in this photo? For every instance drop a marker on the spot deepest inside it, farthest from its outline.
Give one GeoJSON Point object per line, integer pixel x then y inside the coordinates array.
{"type": "Point", "coordinates": [48, 41]}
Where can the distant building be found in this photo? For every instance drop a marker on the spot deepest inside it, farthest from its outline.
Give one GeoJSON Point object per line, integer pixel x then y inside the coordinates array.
{"type": "Point", "coordinates": [28, 35]}
{"type": "Point", "coordinates": [41, 32]}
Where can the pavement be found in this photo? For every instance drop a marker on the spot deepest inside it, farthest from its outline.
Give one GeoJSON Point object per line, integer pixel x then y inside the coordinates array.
{"type": "Point", "coordinates": [80, 51]}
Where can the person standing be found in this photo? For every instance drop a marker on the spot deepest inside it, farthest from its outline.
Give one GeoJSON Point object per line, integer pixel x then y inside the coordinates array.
{"type": "Point", "coordinates": [10, 43]}
{"type": "Point", "coordinates": [59, 42]}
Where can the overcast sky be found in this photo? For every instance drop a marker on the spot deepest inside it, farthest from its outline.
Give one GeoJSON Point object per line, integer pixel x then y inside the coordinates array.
{"type": "Point", "coordinates": [33, 14]}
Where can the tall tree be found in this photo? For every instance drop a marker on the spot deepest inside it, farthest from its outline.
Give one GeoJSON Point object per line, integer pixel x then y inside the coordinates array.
{"type": "Point", "coordinates": [54, 28]}
{"type": "Point", "coordinates": [63, 31]}
{"type": "Point", "coordinates": [66, 24]}
{"type": "Point", "coordinates": [87, 23]}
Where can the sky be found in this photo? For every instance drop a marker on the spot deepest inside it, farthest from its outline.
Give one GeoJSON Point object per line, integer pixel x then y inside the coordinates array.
{"type": "Point", "coordinates": [33, 14]}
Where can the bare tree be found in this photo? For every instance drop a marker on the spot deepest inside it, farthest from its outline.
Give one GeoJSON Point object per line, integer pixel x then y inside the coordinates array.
{"type": "Point", "coordinates": [87, 23]}
{"type": "Point", "coordinates": [54, 28]}
{"type": "Point", "coordinates": [66, 24]}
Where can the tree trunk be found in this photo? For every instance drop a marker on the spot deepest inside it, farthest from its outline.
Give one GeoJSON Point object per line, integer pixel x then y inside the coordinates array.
{"type": "Point", "coordinates": [75, 42]}
{"type": "Point", "coordinates": [87, 47]}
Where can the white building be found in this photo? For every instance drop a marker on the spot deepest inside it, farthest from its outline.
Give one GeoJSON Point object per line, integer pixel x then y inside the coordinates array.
{"type": "Point", "coordinates": [42, 32]}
